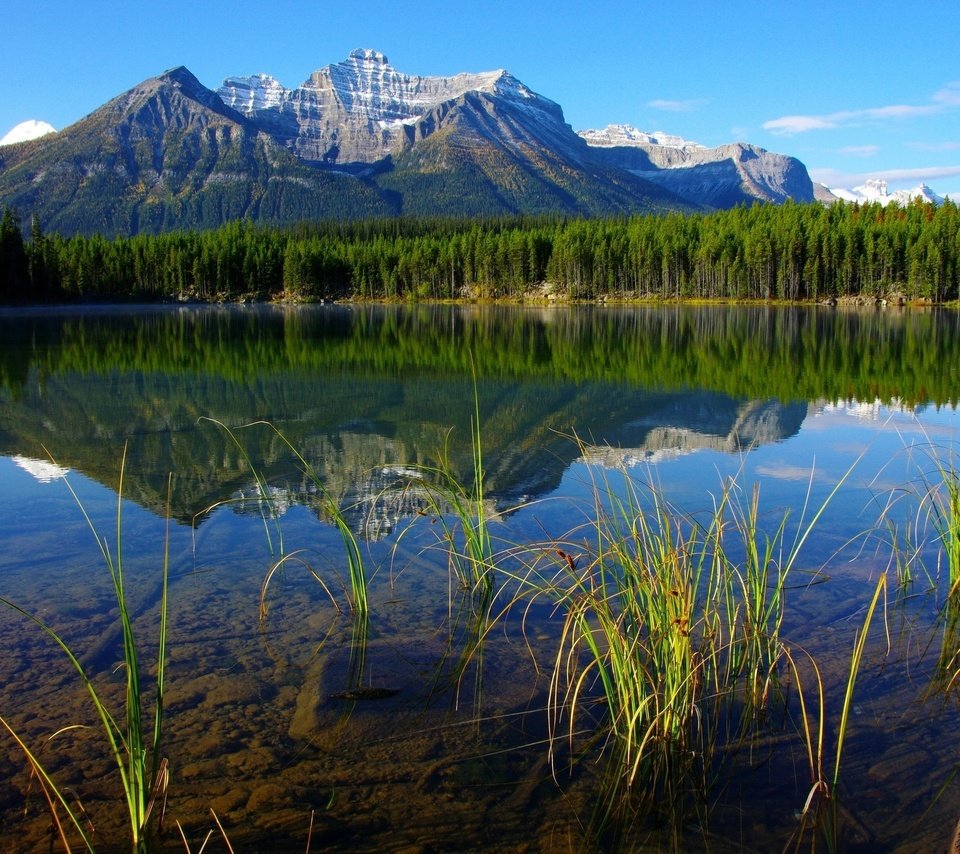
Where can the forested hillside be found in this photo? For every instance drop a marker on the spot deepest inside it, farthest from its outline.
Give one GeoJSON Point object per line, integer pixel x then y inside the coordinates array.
{"type": "Point", "coordinates": [790, 252]}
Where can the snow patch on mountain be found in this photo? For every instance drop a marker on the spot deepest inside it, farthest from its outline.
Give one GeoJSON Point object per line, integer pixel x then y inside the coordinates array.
{"type": "Point", "coordinates": [362, 109]}
{"type": "Point", "coordinates": [366, 85]}
{"type": "Point", "coordinates": [30, 129]}
{"type": "Point", "coordinates": [627, 135]}
{"type": "Point", "coordinates": [877, 190]}
{"type": "Point", "coordinates": [249, 94]}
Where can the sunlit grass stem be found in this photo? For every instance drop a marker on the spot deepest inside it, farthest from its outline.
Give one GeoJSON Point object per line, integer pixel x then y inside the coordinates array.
{"type": "Point", "coordinates": [330, 507]}
{"type": "Point", "coordinates": [675, 621]}
{"type": "Point", "coordinates": [463, 514]}
{"type": "Point", "coordinates": [136, 749]}
{"type": "Point", "coordinates": [821, 813]}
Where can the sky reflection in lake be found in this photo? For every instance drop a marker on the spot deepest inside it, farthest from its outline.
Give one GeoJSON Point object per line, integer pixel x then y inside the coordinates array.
{"type": "Point", "coordinates": [684, 399]}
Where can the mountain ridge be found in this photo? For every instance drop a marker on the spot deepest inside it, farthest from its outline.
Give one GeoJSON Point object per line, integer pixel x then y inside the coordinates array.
{"type": "Point", "coordinates": [877, 190]}
{"type": "Point", "coordinates": [357, 139]}
{"type": "Point", "coordinates": [362, 110]}
{"type": "Point", "coordinates": [721, 177]}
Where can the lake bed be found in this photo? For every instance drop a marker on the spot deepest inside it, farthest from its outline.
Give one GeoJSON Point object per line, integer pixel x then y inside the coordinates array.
{"type": "Point", "coordinates": [428, 724]}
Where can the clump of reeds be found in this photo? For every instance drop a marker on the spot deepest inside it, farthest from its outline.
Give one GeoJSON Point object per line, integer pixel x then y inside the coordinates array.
{"type": "Point", "coordinates": [923, 523]}
{"type": "Point", "coordinates": [639, 638]}
{"type": "Point", "coordinates": [134, 743]}
{"type": "Point", "coordinates": [672, 634]}
{"type": "Point", "coordinates": [942, 500]}
{"type": "Point", "coordinates": [939, 509]}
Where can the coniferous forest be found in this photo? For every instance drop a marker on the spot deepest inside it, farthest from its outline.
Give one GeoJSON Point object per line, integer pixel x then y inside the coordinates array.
{"type": "Point", "coordinates": [794, 252]}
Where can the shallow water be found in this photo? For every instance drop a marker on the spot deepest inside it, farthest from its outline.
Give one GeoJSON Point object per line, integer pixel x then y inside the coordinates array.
{"type": "Point", "coordinates": [455, 758]}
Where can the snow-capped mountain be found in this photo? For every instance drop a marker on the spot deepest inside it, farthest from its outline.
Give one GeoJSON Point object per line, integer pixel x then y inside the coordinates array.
{"type": "Point", "coordinates": [25, 131]}
{"type": "Point", "coordinates": [251, 95]}
{"type": "Point", "coordinates": [876, 190]}
{"type": "Point", "coordinates": [360, 139]}
{"type": "Point", "coordinates": [626, 135]}
{"type": "Point", "coordinates": [714, 177]}
{"type": "Point", "coordinates": [360, 110]}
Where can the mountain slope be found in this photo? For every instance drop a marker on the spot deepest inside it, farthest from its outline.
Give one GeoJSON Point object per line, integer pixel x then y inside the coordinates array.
{"type": "Point", "coordinates": [362, 110]}
{"type": "Point", "coordinates": [464, 145]}
{"type": "Point", "coordinates": [714, 177]}
{"type": "Point", "coordinates": [170, 154]}
{"type": "Point", "coordinates": [483, 154]}
{"type": "Point", "coordinates": [358, 139]}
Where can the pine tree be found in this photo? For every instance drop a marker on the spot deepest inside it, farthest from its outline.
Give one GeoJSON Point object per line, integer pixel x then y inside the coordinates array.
{"type": "Point", "coordinates": [14, 271]}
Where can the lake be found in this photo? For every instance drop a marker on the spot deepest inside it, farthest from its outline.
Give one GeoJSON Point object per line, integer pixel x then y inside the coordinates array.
{"type": "Point", "coordinates": [257, 442]}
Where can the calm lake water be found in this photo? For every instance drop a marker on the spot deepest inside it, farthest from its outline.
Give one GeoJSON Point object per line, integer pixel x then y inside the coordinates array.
{"type": "Point", "coordinates": [451, 751]}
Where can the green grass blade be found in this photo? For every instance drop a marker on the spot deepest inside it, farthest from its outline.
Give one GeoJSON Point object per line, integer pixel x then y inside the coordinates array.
{"type": "Point", "coordinates": [50, 787]}
{"type": "Point", "coordinates": [855, 661]}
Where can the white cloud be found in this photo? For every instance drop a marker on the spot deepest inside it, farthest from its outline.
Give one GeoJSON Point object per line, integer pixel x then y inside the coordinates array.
{"type": "Point", "coordinates": [945, 99]}
{"type": "Point", "coordinates": [788, 125]}
{"type": "Point", "coordinates": [860, 150]}
{"type": "Point", "coordinates": [949, 95]}
{"type": "Point", "coordinates": [926, 173]}
{"type": "Point", "coordinates": [912, 176]}
{"type": "Point", "coordinates": [785, 471]}
{"type": "Point", "coordinates": [896, 111]}
{"type": "Point", "coordinates": [686, 106]}
{"type": "Point", "coordinates": [935, 146]}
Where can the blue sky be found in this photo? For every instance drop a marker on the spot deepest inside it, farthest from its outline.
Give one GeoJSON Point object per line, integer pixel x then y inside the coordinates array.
{"type": "Point", "coordinates": [854, 89]}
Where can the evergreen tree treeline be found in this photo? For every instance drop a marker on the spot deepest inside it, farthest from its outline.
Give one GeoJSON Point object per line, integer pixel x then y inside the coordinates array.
{"type": "Point", "coordinates": [790, 252]}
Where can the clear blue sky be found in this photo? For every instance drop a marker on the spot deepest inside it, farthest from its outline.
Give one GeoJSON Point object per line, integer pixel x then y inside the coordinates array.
{"type": "Point", "coordinates": [854, 89]}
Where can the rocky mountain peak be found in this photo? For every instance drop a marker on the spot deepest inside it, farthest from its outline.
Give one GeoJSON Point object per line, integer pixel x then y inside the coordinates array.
{"type": "Point", "coordinates": [366, 56]}
{"type": "Point", "coordinates": [877, 190]}
{"type": "Point", "coordinates": [361, 110]}
{"type": "Point", "coordinates": [175, 87]}
{"type": "Point", "coordinates": [183, 79]}
{"type": "Point", "coordinates": [250, 94]}
{"type": "Point", "coordinates": [721, 177]}
{"type": "Point", "coordinates": [627, 135]}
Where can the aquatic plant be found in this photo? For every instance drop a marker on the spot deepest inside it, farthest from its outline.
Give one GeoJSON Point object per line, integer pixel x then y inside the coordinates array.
{"type": "Point", "coordinates": [642, 625]}
{"type": "Point", "coordinates": [134, 744]}
{"type": "Point", "coordinates": [922, 519]}
{"type": "Point", "coordinates": [821, 814]}
{"type": "Point", "coordinates": [671, 644]}
{"type": "Point", "coordinates": [939, 509]}
{"type": "Point", "coordinates": [329, 507]}
{"type": "Point", "coordinates": [943, 501]}
{"type": "Point", "coordinates": [463, 515]}
{"type": "Point", "coordinates": [277, 566]}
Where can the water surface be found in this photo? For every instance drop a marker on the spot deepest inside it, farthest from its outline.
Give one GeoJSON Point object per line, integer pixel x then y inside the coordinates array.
{"type": "Point", "coordinates": [454, 758]}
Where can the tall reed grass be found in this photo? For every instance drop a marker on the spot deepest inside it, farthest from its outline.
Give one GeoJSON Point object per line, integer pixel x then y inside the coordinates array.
{"type": "Point", "coordinates": [463, 515]}
{"type": "Point", "coordinates": [134, 736]}
{"type": "Point", "coordinates": [939, 511]}
{"type": "Point", "coordinates": [329, 507]}
{"type": "Point", "coordinates": [671, 644]}
{"type": "Point", "coordinates": [821, 818]}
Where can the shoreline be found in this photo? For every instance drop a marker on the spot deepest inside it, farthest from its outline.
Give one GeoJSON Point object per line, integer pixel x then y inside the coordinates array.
{"type": "Point", "coordinates": [554, 299]}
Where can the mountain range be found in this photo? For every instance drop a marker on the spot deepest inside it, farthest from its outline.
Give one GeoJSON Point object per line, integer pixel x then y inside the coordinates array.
{"type": "Point", "coordinates": [877, 190]}
{"type": "Point", "coordinates": [360, 139]}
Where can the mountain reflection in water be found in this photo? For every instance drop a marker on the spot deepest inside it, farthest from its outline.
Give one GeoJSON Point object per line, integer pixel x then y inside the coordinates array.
{"type": "Point", "coordinates": [374, 398]}
{"type": "Point", "coordinates": [359, 390]}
